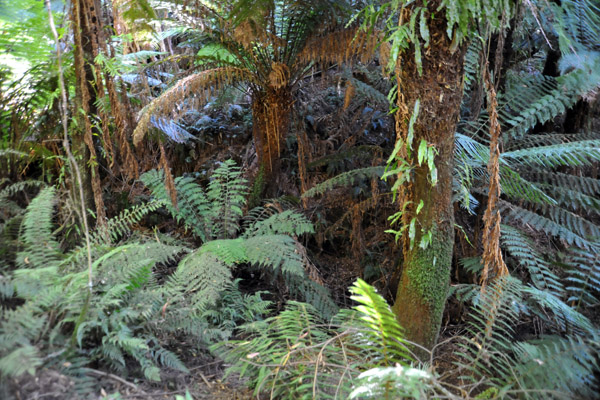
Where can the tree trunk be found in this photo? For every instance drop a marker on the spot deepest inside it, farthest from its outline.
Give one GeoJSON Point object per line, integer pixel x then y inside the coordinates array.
{"type": "Point", "coordinates": [271, 118]}
{"type": "Point", "coordinates": [425, 272]}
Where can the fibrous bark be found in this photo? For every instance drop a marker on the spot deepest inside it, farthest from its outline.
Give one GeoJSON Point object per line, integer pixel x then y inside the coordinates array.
{"type": "Point", "coordinates": [425, 274]}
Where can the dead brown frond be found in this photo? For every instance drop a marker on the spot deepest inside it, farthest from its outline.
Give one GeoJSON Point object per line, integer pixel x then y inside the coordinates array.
{"type": "Point", "coordinates": [201, 86]}
{"type": "Point", "coordinates": [348, 95]}
{"type": "Point", "coordinates": [169, 182]}
{"type": "Point", "coordinates": [247, 33]}
{"type": "Point", "coordinates": [303, 157]}
{"type": "Point", "coordinates": [279, 76]}
{"type": "Point", "coordinates": [343, 46]}
{"type": "Point", "coordinates": [492, 255]}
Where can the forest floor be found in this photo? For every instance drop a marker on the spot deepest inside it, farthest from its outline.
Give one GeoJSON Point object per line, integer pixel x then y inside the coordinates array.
{"type": "Point", "coordinates": [203, 382]}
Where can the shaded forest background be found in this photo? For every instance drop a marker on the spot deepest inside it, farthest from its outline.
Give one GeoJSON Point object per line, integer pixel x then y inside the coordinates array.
{"type": "Point", "coordinates": [299, 199]}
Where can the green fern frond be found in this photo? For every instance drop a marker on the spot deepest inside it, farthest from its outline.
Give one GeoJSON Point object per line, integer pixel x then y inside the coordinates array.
{"type": "Point", "coordinates": [522, 248]}
{"type": "Point", "coordinates": [491, 330]}
{"type": "Point", "coordinates": [557, 367]}
{"type": "Point", "coordinates": [192, 203]}
{"type": "Point", "coordinates": [41, 249]}
{"type": "Point", "coordinates": [384, 334]}
{"type": "Point", "coordinates": [574, 154]}
{"type": "Point", "coordinates": [345, 179]}
{"type": "Point", "coordinates": [585, 185]}
{"type": "Point", "coordinates": [573, 200]}
{"type": "Point", "coordinates": [227, 192]}
{"type": "Point", "coordinates": [277, 252]}
{"type": "Point", "coordinates": [565, 318]}
{"type": "Point", "coordinates": [287, 222]}
{"type": "Point", "coordinates": [583, 277]}
{"type": "Point", "coordinates": [197, 282]}
{"type": "Point", "coordinates": [120, 225]}
{"type": "Point", "coordinates": [550, 226]}
{"type": "Point", "coordinates": [228, 251]}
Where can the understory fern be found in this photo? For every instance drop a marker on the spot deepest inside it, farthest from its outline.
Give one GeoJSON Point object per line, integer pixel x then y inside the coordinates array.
{"type": "Point", "coordinates": [127, 315]}
{"type": "Point", "coordinates": [560, 364]}
{"type": "Point", "coordinates": [298, 355]}
{"type": "Point", "coordinates": [263, 239]}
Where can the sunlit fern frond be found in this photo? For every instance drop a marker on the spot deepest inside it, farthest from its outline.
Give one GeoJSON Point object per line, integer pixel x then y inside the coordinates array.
{"type": "Point", "coordinates": [295, 354]}
{"type": "Point", "coordinates": [201, 86]}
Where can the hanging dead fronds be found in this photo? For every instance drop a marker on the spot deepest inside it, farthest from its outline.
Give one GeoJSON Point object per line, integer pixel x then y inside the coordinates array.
{"type": "Point", "coordinates": [83, 95]}
{"type": "Point", "coordinates": [201, 85]}
{"type": "Point", "coordinates": [341, 46]}
{"type": "Point", "coordinates": [493, 263]}
{"type": "Point", "coordinates": [248, 33]}
{"type": "Point", "coordinates": [279, 76]}
{"type": "Point", "coordinates": [303, 156]}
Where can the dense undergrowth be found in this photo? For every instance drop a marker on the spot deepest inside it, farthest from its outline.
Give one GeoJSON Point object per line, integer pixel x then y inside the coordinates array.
{"type": "Point", "coordinates": [284, 275]}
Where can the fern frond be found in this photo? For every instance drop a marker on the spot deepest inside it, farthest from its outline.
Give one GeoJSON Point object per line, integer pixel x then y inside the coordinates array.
{"type": "Point", "coordinates": [41, 249]}
{"type": "Point", "coordinates": [574, 154]}
{"type": "Point", "coordinates": [566, 318]}
{"type": "Point", "coordinates": [522, 248]}
{"type": "Point", "coordinates": [197, 282]}
{"type": "Point", "coordinates": [275, 251]}
{"type": "Point", "coordinates": [227, 193]}
{"type": "Point", "coordinates": [384, 334]}
{"type": "Point", "coordinates": [285, 223]}
{"type": "Point", "coordinates": [192, 203]}
{"type": "Point", "coordinates": [581, 184]}
{"type": "Point", "coordinates": [557, 367]}
{"type": "Point", "coordinates": [583, 277]}
{"type": "Point", "coordinates": [120, 225]}
{"type": "Point", "coordinates": [345, 179]}
{"type": "Point", "coordinates": [552, 226]}
{"type": "Point", "coordinates": [202, 85]}
{"type": "Point", "coordinates": [229, 251]}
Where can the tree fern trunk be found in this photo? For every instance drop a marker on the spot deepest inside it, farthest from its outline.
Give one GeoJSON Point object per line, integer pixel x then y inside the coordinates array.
{"type": "Point", "coordinates": [425, 272]}
{"type": "Point", "coordinates": [271, 118]}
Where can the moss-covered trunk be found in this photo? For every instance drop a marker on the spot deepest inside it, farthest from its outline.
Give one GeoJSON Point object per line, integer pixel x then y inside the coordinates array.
{"type": "Point", "coordinates": [425, 272]}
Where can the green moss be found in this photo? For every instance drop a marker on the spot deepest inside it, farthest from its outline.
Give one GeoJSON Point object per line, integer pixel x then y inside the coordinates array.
{"type": "Point", "coordinates": [429, 271]}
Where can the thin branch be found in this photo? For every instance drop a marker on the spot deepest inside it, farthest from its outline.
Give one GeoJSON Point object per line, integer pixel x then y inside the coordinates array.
{"type": "Point", "coordinates": [113, 377]}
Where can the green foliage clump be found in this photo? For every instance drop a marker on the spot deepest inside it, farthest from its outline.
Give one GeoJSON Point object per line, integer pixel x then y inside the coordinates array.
{"type": "Point", "coordinates": [298, 355]}
{"type": "Point", "coordinates": [263, 239]}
